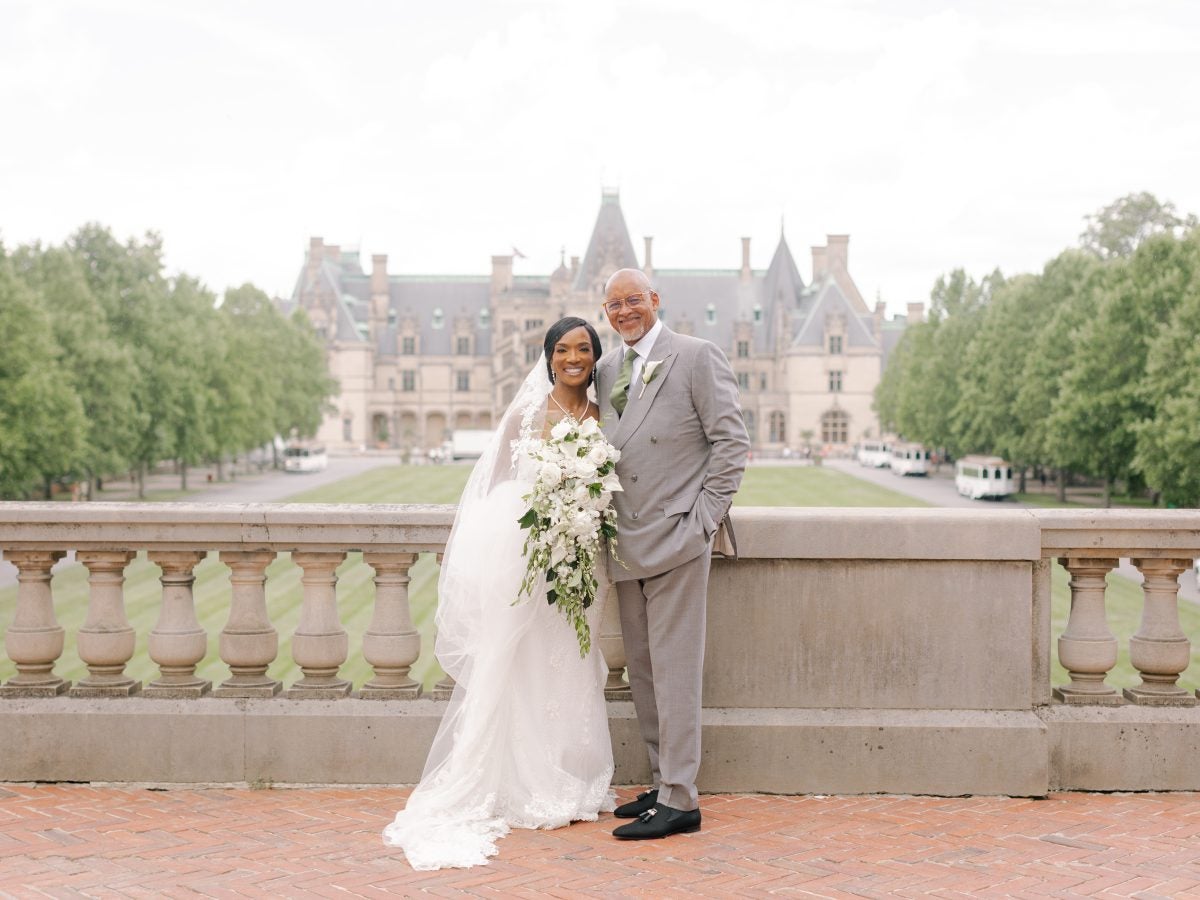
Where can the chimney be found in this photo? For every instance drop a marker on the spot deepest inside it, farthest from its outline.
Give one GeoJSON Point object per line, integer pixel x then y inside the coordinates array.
{"type": "Point", "coordinates": [839, 252]}
{"type": "Point", "coordinates": [745, 257]}
{"type": "Point", "coordinates": [379, 274]}
{"type": "Point", "coordinates": [315, 252]}
{"type": "Point", "coordinates": [877, 324]}
{"type": "Point", "coordinates": [820, 268]}
{"type": "Point", "coordinates": [502, 274]}
{"type": "Point", "coordinates": [333, 253]}
{"type": "Point", "coordinates": [916, 313]}
{"type": "Point", "coordinates": [648, 265]}
{"type": "Point", "coordinates": [574, 266]}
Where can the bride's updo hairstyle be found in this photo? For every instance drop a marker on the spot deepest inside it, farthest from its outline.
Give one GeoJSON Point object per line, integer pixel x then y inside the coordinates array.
{"type": "Point", "coordinates": [561, 327]}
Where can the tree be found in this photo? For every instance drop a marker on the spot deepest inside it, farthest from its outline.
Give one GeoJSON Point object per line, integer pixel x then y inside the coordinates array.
{"type": "Point", "coordinates": [984, 418]}
{"type": "Point", "coordinates": [1070, 284]}
{"type": "Point", "coordinates": [42, 427]}
{"type": "Point", "coordinates": [1094, 415]}
{"type": "Point", "coordinates": [1169, 438]}
{"type": "Point", "coordinates": [99, 369]}
{"type": "Point", "coordinates": [1118, 229]}
{"type": "Point", "coordinates": [129, 283]}
{"type": "Point", "coordinates": [920, 386]}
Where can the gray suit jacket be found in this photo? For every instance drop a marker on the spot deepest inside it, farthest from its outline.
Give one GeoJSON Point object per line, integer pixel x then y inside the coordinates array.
{"type": "Point", "coordinates": [683, 451]}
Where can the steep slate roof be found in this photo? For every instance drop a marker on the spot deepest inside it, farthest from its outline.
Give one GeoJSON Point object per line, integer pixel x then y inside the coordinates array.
{"type": "Point", "coordinates": [609, 244]}
{"type": "Point", "coordinates": [687, 293]}
{"type": "Point", "coordinates": [825, 299]}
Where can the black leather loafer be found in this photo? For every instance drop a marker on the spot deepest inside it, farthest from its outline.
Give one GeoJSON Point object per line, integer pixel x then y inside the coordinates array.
{"type": "Point", "coordinates": [659, 822]}
{"type": "Point", "coordinates": [635, 808]}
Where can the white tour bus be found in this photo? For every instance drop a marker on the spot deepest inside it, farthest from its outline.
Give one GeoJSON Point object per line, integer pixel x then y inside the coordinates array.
{"type": "Point", "coordinates": [305, 458]}
{"type": "Point", "coordinates": [874, 453]}
{"type": "Point", "coordinates": [983, 476]}
{"type": "Point", "coordinates": [909, 459]}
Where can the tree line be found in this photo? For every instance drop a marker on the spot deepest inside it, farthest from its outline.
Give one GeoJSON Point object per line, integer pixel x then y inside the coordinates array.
{"type": "Point", "coordinates": [1090, 367]}
{"type": "Point", "coordinates": [109, 365]}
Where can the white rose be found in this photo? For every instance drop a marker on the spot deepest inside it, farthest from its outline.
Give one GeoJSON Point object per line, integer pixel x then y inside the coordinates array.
{"type": "Point", "coordinates": [582, 468]}
{"type": "Point", "coordinates": [589, 428]}
{"type": "Point", "coordinates": [598, 455]}
{"type": "Point", "coordinates": [549, 474]}
{"type": "Point", "coordinates": [560, 430]}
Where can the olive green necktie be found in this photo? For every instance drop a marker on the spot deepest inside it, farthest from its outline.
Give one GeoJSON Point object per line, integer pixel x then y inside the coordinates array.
{"type": "Point", "coordinates": [620, 391]}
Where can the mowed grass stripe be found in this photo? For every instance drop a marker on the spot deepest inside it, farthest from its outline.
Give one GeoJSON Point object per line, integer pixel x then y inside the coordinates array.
{"type": "Point", "coordinates": [763, 486]}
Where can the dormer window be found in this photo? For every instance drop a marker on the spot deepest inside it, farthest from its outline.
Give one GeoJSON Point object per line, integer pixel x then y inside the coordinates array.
{"type": "Point", "coordinates": [438, 318]}
{"type": "Point", "coordinates": [757, 313]}
{"type": "Point", "coordinates": [835, 344]}
{"type": "Point", "coordinates": [391, 318]}
{"type": "Point", "coordinates": [710, 314]}
{"type": "Point", "coordinates": [485, 317]}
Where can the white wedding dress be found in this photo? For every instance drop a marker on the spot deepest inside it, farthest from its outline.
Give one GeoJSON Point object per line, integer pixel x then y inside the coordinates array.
{"type": "Point", "coordinates": [524, 742]}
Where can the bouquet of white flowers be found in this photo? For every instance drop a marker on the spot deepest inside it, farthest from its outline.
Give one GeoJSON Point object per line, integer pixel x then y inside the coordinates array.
{"type": "Point", "coordinates": [570, 512]}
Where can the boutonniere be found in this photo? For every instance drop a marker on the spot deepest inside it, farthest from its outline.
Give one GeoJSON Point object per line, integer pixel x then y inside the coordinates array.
{"type": "Point", "coordinates": [649, 370]}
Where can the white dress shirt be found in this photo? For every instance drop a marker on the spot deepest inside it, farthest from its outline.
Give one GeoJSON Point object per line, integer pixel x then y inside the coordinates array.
{"type": "Point", "coordinates": [643, 348]}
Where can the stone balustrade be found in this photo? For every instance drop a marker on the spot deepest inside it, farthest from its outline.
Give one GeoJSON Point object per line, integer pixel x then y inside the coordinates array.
{"type": "Point", "coordinates": [848, 651]}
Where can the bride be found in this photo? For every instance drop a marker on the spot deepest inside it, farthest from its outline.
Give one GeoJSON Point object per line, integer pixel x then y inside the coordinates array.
{"type": "Point", "coordinates": [524, 741]}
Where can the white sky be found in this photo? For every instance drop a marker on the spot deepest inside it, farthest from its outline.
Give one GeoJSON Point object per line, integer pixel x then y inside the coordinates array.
{"type": "Point", "coordinates": [936, 134]}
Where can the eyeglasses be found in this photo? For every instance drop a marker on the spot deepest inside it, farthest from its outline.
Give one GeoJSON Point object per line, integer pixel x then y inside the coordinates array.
{"type": "Point", "coordinates": [614, 306]}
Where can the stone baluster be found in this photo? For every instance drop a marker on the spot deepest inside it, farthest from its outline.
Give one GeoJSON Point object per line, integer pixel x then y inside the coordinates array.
{"type": "Point", "coordinates": [445, 687]}
{"type": "Point", "coordinates": [248, 643]}
{"type": "Point", "coordinates": [106, 641]}
{"type": "Point", "coordinates": [34, 641]}
{"type": "Point", "coordinates": [320, 644]}
{"type": "Point", "coordinates": [1160, 651]}
{"type": "Point", "coordinates": [178, 643]}
{"type": "Point", "coordinates": [612, 645]}
{"type": "Point", "coordinates": [391, 644]}
{"type": "Point", "coordinates": [1087, 649]}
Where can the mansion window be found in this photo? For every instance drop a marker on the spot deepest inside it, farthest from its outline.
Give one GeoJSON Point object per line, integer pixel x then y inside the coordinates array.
{"type": "Point", "coordinates": [835, 344]}
{"type": "Point", "coordinates": [462, 381]}
{"type": "Point", "coordinates": [762, 381]}
{"type": "Point", "coordinates": [778, 430]}
{"type": "Point", "coordinates": [757, 312]}
{"type": "Point", "coordinates": [532, 352]}
{"type": "Point", "coordinates": [408, 381]}
{"type": "Point", "coordinates": [463, 347]}
{"type": "Point", "coordinates": [408, 345]}
{"type": "Point", "coordinates": [744, 380]}
{"type": "Point", "coordinates": [710, 314]}
{"type": "Point", "coordinates": [743, 349]}
{"type": "Point", "coordinates": [485, 317]}
{"type": "Point", "coordinates": [391, 318]}
{"type": "Point", "coordinates": [835, 427]}
{"type": "Point", "coordinates": [347, 429]}
{"type": "Point", "coordinates": [835, 381]}
{"type": "Point", "coordinates": [533, 324]}
{"type": "Point", "coordinates": [438, 318]}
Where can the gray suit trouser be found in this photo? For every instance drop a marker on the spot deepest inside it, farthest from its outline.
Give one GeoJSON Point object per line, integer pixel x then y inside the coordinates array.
{"type": "Point", "coordinates": [662, 622]}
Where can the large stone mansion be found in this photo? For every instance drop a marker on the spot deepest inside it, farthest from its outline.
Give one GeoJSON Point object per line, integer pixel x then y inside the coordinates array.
{"type": "Point", "coordinates": [418, 356]}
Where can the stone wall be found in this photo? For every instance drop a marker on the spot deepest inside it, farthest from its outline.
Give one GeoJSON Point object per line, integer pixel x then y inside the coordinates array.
{"type": "Point", "coordinates": [848, 651]}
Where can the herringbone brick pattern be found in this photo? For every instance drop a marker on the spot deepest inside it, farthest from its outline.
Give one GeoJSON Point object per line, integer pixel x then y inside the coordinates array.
{"type": "Point", "coordinates": [80, 841]}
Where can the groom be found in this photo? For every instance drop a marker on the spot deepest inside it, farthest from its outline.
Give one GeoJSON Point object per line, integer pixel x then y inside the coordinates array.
{"type": "Point", "coordinates": [669, 403]}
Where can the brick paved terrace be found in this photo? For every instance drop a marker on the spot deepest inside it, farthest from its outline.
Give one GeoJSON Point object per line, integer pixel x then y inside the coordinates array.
{"type": "Point", "coordinates": [84, 841]}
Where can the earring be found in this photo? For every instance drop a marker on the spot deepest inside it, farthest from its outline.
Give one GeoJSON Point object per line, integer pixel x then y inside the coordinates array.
{"type": "Point", "coordinates": [552, 376]}
{"type": "Point", "coordinates": [592, 376]}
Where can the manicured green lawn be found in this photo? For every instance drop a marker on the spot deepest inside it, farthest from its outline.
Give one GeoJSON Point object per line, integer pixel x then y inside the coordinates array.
{"type": "Point", "coordinates": [763, 486]}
